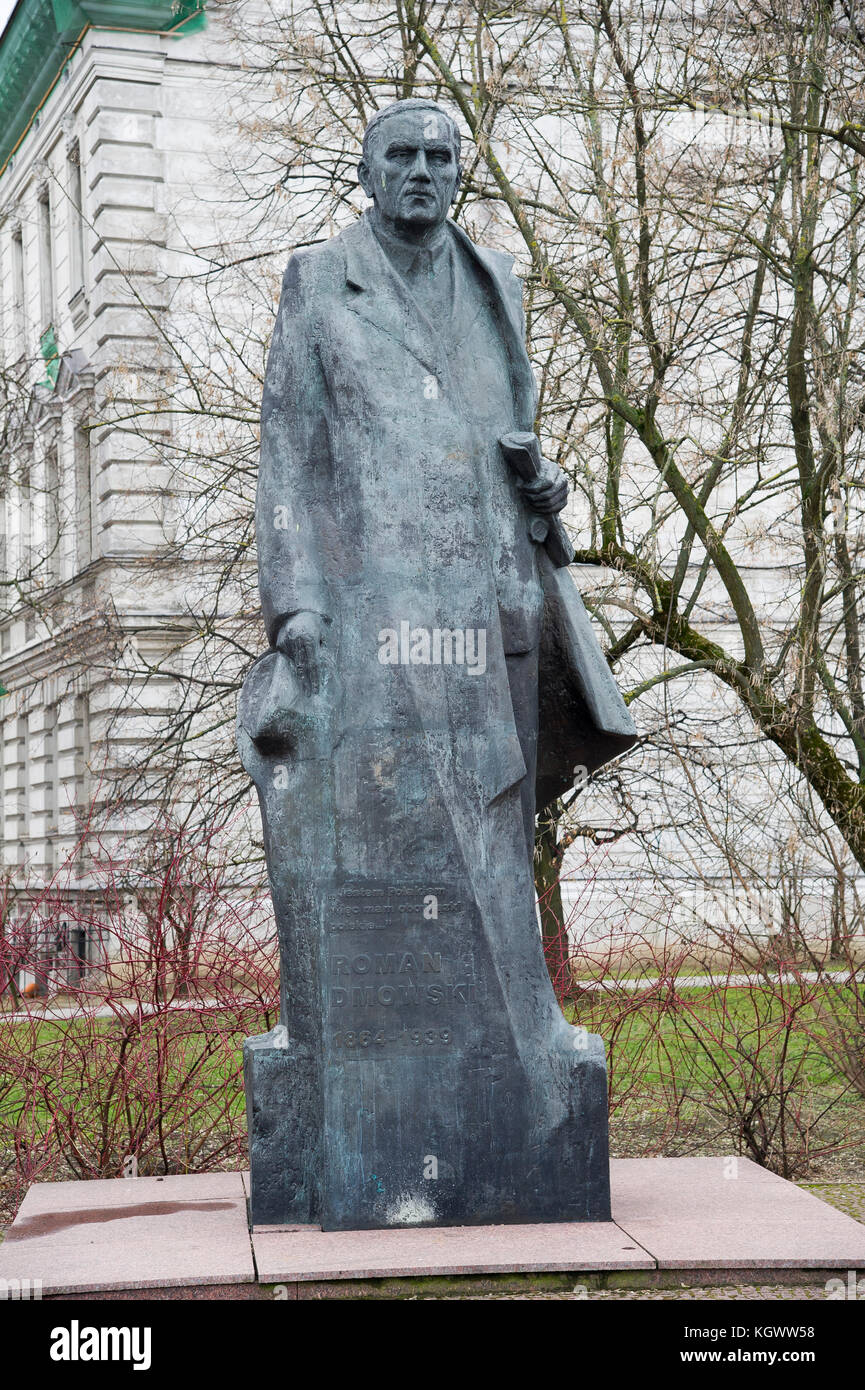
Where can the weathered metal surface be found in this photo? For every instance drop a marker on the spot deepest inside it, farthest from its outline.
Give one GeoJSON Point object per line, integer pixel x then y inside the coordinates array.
{"type": "Point", "coordinates": [422, 1072]}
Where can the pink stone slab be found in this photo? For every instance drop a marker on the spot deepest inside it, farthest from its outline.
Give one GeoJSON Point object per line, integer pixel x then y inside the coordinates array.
{"type": "Point", "coordinates": [426, 1250]}
{"type": "Point", "coordinates": [672, 1213]}
{"type": "Point", "coordinates": [135, 1233]}
{"type": "Point", "coordinates": [691, 1216]}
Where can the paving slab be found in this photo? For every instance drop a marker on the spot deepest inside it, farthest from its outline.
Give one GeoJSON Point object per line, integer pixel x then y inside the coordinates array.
{"type": "Point", "coordinates": [135, 1233]}
{"type": "Point", "coordinates": [297, 1256]}
{"type": "Point", "coordinates": [190, 1232]}
{"type": "Point", "coordinates": [725, 1213]}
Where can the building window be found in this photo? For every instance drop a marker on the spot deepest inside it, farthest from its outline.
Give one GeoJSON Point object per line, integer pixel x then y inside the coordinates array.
{"type": "Point", "coordinates": [46, 262]}
{"type": "Point", "coordinates": [43, 787]}
{"type": "Point", "coordinates": [76, 223]}
{"type": "Point", "coordinates": [16, 796]}
{"type": "Point", "coordinates": [83, 780]}
{"type": "Point", "coordinates": [18, 309]}
{"type": "Point", "coordinates": [52, 514]}
{"type": "Point", "coordinates": [25, 553]}
{"type": "Point", "coordinates": [84, 498]}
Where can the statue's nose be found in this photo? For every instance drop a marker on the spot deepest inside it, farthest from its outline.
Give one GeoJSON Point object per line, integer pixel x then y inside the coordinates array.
{"type": "Point", "coordinates": [420, 169]}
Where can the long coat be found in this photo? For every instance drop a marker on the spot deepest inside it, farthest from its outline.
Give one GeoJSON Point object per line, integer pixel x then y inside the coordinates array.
{"type": "Point", "coordinates": [391, 798]}
{"type": "Point", "coordinates": [349, 352]}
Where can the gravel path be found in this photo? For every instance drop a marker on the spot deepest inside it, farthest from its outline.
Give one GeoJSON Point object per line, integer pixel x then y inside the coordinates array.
{"type": "Point", "coordinates": [730, 1292]}
{"type": "Point", "coordinates": [680, 982]}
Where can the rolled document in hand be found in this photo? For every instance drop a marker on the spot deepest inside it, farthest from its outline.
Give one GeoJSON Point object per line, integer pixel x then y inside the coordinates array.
{"type": "Point", "coordinates": [523, 452]}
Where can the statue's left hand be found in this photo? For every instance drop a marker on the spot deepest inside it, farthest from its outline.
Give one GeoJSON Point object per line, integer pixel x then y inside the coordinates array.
{"type": "Point", "coordinates": [550, 493]}
{"type": "Point", "coordinates": [302, 639]}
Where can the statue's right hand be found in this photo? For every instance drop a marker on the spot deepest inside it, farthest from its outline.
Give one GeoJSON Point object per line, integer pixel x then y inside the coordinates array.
{"type": "Point", "coordinates": [302, 638]}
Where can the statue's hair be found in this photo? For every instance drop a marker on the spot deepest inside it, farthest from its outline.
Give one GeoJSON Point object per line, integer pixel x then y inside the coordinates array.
{"type": "Point", "coordinates": [411, 104]}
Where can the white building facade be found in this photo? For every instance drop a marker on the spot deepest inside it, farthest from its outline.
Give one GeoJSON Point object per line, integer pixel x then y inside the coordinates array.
{"type": "Point", "coordinates": [106, 123]}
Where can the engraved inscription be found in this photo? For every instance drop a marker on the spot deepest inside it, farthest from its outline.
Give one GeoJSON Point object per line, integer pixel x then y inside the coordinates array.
{"type": "Point", "coordinates": [371, 906]}
{"type": "Point", "coordinates": [400, 974]}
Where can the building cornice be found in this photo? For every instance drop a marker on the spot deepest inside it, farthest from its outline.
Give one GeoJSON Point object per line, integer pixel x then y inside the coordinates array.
{"type": "Point", "coordinates": [42, 36]}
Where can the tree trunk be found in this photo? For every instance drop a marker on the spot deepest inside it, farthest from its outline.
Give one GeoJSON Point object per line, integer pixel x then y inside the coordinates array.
{"type": "Point", "coordinates": [548, 863]}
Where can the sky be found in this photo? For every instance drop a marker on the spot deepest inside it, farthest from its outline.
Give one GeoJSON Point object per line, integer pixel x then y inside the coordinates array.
{"type": "Point", "coordinates": [6, 8]}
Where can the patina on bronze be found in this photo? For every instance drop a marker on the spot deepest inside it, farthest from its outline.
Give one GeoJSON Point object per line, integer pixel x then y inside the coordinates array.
{"type": "Point", "coordinates": [432, 682]}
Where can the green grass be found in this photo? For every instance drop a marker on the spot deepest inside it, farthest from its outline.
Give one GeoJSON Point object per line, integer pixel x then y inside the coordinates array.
{"type": "Point", "coordinates": [174, 1063]}
{"type": "Point", "coordinates": [682, 1073]}
{"type": "Point", "coordinates": [719, 1066]}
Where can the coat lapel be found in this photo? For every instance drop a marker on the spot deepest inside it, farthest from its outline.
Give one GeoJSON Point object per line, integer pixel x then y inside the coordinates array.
{"type": "Point", "coordinates": [379, 295]}
{"type": "Point", "coordinates": [507, 294]}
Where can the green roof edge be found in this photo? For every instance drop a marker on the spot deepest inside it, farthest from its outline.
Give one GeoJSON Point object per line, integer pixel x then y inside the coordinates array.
{"type": "Point", "coordinates": [42, 35]}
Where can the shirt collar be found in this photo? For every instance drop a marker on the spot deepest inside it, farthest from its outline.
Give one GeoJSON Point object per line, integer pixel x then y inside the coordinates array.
{"type": "Point", "coordinates": [407, 258]}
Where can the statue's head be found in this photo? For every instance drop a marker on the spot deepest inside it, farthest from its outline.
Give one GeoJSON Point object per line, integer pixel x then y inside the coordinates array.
{"type": "Point", "coordinates": [411, 164]}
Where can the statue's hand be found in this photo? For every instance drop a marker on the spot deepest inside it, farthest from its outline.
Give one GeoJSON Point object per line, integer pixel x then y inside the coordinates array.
{"type": "Point", "coordinates": [302, 638]}
{"type": "Point", "coordinates": [550, 493]}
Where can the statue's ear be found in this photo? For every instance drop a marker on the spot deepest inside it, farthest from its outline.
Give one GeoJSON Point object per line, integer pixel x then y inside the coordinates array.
{"type": "Point", "coordinates": [364, 178]}
{"type": "Point", "coordinates": [458, 184]}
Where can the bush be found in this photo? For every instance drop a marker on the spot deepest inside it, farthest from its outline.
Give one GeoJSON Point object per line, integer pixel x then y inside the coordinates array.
{"type": "Point", "coordinates": [136, 1065]}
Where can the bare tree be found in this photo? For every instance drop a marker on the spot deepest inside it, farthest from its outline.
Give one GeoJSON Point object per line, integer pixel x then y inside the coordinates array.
{"type": "Point", "coordinates": [695, 311]}
{"type": "Point", "coordinates": [681, 186]}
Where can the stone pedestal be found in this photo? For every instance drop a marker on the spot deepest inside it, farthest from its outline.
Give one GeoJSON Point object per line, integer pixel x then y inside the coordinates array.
{"type": "Point", "coordinates": [409, 1134]}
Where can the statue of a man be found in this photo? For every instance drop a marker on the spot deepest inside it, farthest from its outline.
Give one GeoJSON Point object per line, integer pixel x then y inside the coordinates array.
{"type": "Point", "coordinates": [422, 638]}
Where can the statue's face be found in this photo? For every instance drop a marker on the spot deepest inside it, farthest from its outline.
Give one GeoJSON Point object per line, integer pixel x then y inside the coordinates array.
{"type": "Point", "coordinates": [411, 171]}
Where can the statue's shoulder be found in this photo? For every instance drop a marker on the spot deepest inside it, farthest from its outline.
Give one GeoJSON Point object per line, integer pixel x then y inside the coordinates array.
{"type": "Point", "coordinates": [502, 260]}
{"type": "Point", "coordinates": [313, 270]}
{"type": "Point", "coordinates": [500, 264]}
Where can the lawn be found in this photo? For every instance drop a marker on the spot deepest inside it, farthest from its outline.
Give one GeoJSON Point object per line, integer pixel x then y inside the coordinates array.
{"type": "Point", "coordinates": [733, 1070]}
{"type": "Point", "coordinates": [713, 1070]}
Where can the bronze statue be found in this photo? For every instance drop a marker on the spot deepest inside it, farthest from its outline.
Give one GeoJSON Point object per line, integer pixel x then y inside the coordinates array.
{"type": "Point", "coordinates": [432, 682]}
